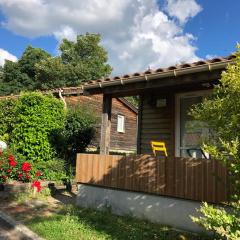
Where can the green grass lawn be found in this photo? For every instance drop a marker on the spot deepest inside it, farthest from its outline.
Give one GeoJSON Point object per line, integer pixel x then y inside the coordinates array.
{"type": "Point", "coordinates": [75, 223]}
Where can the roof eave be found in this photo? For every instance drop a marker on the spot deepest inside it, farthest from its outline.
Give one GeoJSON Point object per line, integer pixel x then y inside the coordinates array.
{"type": "Point", "coordinates": [171, 73]}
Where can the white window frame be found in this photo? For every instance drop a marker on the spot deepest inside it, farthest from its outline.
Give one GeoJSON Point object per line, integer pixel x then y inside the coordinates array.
{"type": "Point", "coordinates": [178, 96]}
{"type": "Point", "coordinates": [121, 129]}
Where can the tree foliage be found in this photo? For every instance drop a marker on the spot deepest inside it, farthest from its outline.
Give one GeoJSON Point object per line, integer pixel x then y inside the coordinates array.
{"type": "Point", "coordinates": [222, 113]}
{"type": "Point", "coordinates": [20, 76]}
{"type": "Point", "coordinates": [78, 62]}
{"type": "Point", "coordinates": [7, 117]}
{"type": "Point", "coordinates": [29, 59]}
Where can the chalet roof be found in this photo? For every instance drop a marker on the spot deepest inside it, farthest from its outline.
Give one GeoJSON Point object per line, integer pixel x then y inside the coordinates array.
{"type": "Point", "coordinates": [68, 91]}
{"type": "Point", "coordinates": [176, 70]}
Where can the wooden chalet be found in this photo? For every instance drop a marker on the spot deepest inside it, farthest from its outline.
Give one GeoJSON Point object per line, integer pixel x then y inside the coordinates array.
{"type": "Point", "coordinates": [166, 96]}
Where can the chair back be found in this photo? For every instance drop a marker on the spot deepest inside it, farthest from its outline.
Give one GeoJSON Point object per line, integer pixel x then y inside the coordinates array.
{"type": "Point", "coordinates": [160, 147]}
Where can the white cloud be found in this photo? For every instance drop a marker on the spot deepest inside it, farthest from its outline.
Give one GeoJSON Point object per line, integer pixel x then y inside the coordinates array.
{"type": "Point", "coordinates": [65, 32]}
{"type": "Point", "coordinates": [210, 56]}
{"type": "Point", "coordinates": [136, 33]}
{"type": "Point", "coordinates": [5, 55]}
{"type": "Point", "coordinates": [183, 9]}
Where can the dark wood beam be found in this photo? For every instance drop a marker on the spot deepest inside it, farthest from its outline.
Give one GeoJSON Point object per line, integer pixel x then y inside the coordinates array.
{"type": "Point", "coordinates": [106, 124]}
{"type": "Point", "coordinates": [163, 83]}
{"type": "Point", "coordinates": [139, 124]}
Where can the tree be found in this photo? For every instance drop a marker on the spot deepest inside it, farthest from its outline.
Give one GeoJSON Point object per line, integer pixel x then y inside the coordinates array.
{"type": "Point", "coordinates": [78, 62]}
{"type": "Point", "coordinates": [28, 60]}
{"type": "Point", "coordinates": [222, 114]}
{"type": "Point", "coordinates": [20, 76]}
{"type": "Point", "coordinates": [13, 79]}
{"type": "Point", "coordinates": [50, 73]}
{"type": "Point", "coordinates": [1, 74]}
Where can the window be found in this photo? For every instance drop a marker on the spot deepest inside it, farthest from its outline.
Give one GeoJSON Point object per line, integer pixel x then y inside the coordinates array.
{"type": "Point", "coordinates": [120, 123]}
{"type": "Point", "coordinates": [190, 133]}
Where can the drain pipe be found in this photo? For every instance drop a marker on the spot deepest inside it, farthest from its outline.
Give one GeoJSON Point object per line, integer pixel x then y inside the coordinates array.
{"type": "Point", "coordinates": [62, 98]}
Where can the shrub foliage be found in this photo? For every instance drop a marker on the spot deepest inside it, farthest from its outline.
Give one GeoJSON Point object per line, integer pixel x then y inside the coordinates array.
{"type": "Point", "coordinates": [37, 117]}
{"type": "Point", "coordinates": [79, 130]}
{"type": "Point", "coordinates": [41, 132]}
{"type": "Point", "coordinates": [222, 113]}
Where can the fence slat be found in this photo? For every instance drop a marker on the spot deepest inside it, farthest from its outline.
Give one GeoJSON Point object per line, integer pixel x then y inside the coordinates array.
{"type": "Point", "coordinates": [196, 179]}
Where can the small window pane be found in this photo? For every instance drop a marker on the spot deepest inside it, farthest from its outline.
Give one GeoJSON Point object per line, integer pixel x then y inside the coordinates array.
{"type": "Point", "coordinates": [120, 123]}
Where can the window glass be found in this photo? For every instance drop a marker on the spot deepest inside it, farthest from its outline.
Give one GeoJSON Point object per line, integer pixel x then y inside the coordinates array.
{"type": "Point", "coordinates": [121, 123]}
{"type": "Point", "coordinates": [192, 132]}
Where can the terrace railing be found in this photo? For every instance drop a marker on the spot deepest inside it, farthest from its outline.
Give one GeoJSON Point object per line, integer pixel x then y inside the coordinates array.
{"type": "Point", "coordinates": [194, 179]}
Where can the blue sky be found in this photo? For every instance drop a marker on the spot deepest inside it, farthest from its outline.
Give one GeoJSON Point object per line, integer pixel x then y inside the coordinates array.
{"type": "Point", "coordinates": [137, 33]}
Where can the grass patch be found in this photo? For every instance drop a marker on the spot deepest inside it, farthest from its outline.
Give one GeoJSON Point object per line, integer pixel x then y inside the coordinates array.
{"type": "Point", "coordinates": [87, 224]}
{"type": "Point", "coordinates": [21, 197]}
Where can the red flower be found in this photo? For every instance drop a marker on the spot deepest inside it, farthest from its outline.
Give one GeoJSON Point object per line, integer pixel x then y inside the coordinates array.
{"type": "Point", "coordinates": [20, 175]}
{"type": "Point", "coordinates": [26, 167]}
{"type": "Point", "coordinates": [11, 158]}
{"type": "Point", "coordinates": [37, 185]}
{"type": "Point", "coordinates": [9, 170]}
{"type": "Point", "coordinates": [28, 176]}
{"type": "Point", "coordinates": [38, 174]}
{"type": "Point", "coordinates": [13, 163]}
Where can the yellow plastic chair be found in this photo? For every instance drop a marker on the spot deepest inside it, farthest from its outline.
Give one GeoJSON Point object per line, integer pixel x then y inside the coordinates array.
{"type": "Point", "coordinates": [159, 146]}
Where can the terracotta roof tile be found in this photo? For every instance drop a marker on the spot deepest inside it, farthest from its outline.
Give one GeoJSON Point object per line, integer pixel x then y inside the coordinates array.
{"type": "Point", "coordinates": [185, 65]}
{"type": "Point", "coordinates": [149, 71]}
{"type": "Point", "coordinates": [216, 60]}
{"type": "Point", "coordinates": [172, 68]}
{"type": "Point", "coordinates": [162, 70]}
{"type": "Point", "coordinates": [199, 63]}
{"type": "Point", "coordinates": [99, 80]}
{"type": "Point", "coordinates": [137, 74]}
{"type": "Point", "coordinates": [126, 76]}
{"type": "Point", "coordinates": [230, 57]}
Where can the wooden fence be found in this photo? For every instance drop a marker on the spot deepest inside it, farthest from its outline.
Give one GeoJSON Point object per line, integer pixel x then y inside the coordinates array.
{"type": "Point", "coordinates": [195, 179]}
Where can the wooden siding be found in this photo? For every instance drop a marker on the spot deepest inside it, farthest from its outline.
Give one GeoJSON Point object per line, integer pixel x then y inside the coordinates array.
{"type": "Point", "coordinates": [157, 123]}
{"type": "Point", "coordinates": [194, 179]}
{"type": "Point", "coordinates": [119, 141]}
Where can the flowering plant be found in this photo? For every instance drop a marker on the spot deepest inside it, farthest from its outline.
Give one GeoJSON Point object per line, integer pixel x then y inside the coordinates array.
{"type": "Point", "coordinates": [11, 169]}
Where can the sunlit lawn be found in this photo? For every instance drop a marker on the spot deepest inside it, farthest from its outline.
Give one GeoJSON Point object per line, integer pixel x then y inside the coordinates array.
{"type": "Point", "coordinates": [75, 223]}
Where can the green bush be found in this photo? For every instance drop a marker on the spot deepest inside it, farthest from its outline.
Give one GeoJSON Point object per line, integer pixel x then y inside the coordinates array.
{"type": "Point", "coordinates": [77, 134]}
{"type": "Point", "coordinates": [39, 130]}
{"type": "Point", "coordinates": [54, 169]}
{"type": "Point", "coordinates": [222, 114]}
{"type": "Point", "coordinates": [37, 116]}
{"type": "Point", "coordinates": [7, 117]}
{"type": "Point", "coordinates": [225, 224]}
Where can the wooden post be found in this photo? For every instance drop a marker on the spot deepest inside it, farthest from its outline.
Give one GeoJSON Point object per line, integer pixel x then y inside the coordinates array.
{"type": "Point", "coordinates": [139, 123]}
{"type": "Point", "coordinates": [106, 124]}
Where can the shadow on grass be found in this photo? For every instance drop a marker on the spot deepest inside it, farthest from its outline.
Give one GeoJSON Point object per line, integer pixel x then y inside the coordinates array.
{"type": "Point", "coordinates": [64, 197]}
